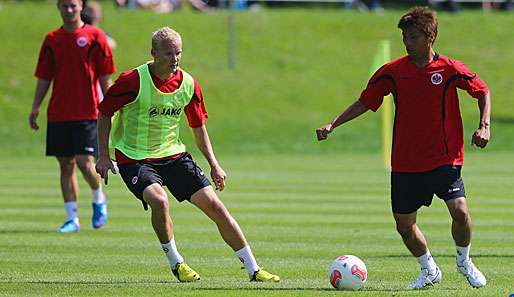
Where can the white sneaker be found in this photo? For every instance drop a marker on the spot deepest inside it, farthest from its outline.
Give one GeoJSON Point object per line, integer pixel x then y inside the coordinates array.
{"type": "Point", "coordinates": [426, 279]}
{"type": "Point", "coordinates": [475, 278]}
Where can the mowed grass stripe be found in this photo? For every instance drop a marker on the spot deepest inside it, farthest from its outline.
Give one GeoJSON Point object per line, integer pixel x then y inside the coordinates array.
{"type": "Point", "coordinates": [297, 221]}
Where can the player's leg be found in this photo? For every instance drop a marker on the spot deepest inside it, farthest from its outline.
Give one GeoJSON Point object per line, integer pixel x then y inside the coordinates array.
{"type": "Point", "coordinates": [451, 190]}
{"type": "Point", "coordinates": [85, 146]}
{"type": "Point", "coordinates": [415, 241]}
{"type": "Point", "coordinates": [86, 165]}
{"type": "Point", "coordinates": [157, 198]}
{"type": "Point", "coordinates": [411, 235]}
{"type": "Point", "coordinates": [207, 200]}
{"type": "Point", "coordinates": [408, 193]}
{"type": "Point", "coordinates": [162, 224]}
{"type": "Point", "coordinates": [461, 221]}
{"type": "Point", "coordinates": [146, 184]}
{"type": "Point", "coordinates": [186, 181]}
{"type": "Point", "coordinates": [69, 189]}
{"type": "Point", "coordinates": [58, 144]}
{"type": "Point", "coordinates": [461, 232]}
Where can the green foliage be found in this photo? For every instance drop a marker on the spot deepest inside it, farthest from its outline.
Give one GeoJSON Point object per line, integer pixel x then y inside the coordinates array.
{"type": "Point", "coordinates": [296, 69]}
{"type": "Point", "coordinates": [298, 213]}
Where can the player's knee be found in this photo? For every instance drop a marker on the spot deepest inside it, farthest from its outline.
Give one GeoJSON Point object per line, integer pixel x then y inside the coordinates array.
{"type": "Point", "coordinates": [461, 215]}
{"type": "Point", "coordinates": [162, 203]}
{"type": "Point", "coordinates": [158, 201]}
{"type": "Point", "coordinates": [67, 166]}
{"type": "Point", "coordinates": [215, 206]}
{"type": "Point", "coordinates": [85, 164]}
{"type": "Point", "coordinates": [84, 167]}
{"type": "Point", "coordinates": [405, 229]}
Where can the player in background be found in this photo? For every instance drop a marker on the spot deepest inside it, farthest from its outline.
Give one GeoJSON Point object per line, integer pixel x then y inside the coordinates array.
{"type": "Point", "coordinates": [76, 58]}
{"type": "Point", "coordinates": [92, 14]}
{"type": "Point", "coordinates": [428, 147]}
{"type": "Point", "coordinates": [149, 102]}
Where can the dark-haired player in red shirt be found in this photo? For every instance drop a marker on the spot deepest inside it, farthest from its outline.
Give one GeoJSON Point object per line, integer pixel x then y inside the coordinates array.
{"type": "Point", "coordinates": [77, 58]}
{"type": "Point", "coordinates": [428, 148]}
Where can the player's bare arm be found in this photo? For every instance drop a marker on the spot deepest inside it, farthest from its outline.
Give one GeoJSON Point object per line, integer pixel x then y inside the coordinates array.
{"type": "Point", "coordinates": [41, 90]}
{"type": "Point", "coordinates": [353, 111]}
{"type": "Point", "coordinates": [203, 142]}
{"type": "Point", "coordinates": [104, 163]}
{"type": "Point", "coordinates": [481, 135]}
{"type": "Point", "coordinates": [105, 82]}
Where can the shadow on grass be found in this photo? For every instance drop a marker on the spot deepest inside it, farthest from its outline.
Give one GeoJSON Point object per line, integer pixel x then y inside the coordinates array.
{"type": "Point", "coordinates": [314, 289]}
{"type": "Point", "coordinates": [193, 288]}
{"type": "Point", "coordinates": [444, 256]}
{"type": "Point", "coordinates": [28, 231]}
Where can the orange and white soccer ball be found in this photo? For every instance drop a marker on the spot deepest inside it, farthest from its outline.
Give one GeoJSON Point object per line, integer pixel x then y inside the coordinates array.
{"type": "Point", "coordinates": [347, 273]}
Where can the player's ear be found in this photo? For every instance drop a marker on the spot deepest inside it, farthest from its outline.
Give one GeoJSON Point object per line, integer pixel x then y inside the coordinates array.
{"type": "Point", "coordinates": [431, 38]}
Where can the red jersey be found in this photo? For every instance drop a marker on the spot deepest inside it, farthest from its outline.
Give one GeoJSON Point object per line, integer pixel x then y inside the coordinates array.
{"type": "Point", "coordinates": [74, 61]}
{"type": "Point", "coordinates": [126, 89]}
{"type": "Point", "coordinates": [428, 129]}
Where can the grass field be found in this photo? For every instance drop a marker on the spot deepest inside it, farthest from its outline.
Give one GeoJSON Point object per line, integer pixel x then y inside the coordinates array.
{"type": "Point", "coordinates": [298, 213]}
{"type": "Point", "coordinates": [296, 69]}
{"type": "Point", "coordinates": [301, 203]}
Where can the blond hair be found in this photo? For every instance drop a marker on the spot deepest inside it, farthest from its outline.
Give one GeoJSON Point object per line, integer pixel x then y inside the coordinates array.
{"type": "Point", "coordinates": [164, 34]}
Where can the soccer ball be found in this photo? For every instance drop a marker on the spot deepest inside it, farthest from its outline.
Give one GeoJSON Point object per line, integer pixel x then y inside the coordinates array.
{"type": "Point", "coordinates": [347, 273]}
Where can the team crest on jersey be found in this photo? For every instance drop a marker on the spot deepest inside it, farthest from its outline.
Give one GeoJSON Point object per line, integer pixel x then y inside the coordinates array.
{"type": "Point", "coordinates": [82, 41]}
{"type": "Point", "coordinates": [436, 78]}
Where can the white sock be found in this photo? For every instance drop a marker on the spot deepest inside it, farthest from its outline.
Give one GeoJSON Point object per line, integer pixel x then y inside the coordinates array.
{"type": "Point", "coordinates": [71, 211]}
{"type": "Point", "coordinates": [245, 255]}
{"type": "Point", "coordinates": [427, 262]}
{"type": "Point", "coordinates": [462, 253]}
{"type": "Point", "coordinates": [98, 195]}
{"type": "Point", "coordinates": [170, 249]}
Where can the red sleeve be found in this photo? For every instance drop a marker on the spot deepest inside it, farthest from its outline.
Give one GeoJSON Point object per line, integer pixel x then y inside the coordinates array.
{"type": "Point", "coordinates": [379, 85]}
{"type": "Point", "coordinates": [103, 56]}
{"type": "Point", "coordinates": [122, 92]}
{"type": "Point", "coordinates": [45, 64]}
{"type": "Point", "coordinates": [469, 81]}
{"type": "Point", "coordinates": [195, 110]}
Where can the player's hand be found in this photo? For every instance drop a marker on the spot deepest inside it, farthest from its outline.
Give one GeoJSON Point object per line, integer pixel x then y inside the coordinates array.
{"type": "Point", "coordinates": [103, 165]}
{"type": "Point", "coordinates": [481, 137]}
{"type": "Point", "coordinates": [323, 131]}
{"type": "Point", "coordinates": [218, 176]}
{"type": "Point", "coordinates": [33, 119]}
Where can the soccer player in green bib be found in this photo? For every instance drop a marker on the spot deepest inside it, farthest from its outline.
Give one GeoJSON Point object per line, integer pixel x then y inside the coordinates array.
{"type": "Point", "coordinates": [149, 102]}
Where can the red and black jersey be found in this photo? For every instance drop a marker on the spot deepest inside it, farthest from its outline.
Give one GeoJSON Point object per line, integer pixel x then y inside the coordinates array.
{"type": "Point", "coordinates": [428, 128]}
{"type": "Point", "coordinates": [126, 89]}
{"type": "Point", "coordinates": [74, 61]}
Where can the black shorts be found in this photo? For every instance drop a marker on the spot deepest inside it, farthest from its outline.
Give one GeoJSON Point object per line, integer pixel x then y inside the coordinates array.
{"type": "Point", "coordinates": [67, 139]}
{"type": "Point", "coordinates": [409, 191]}
{"type": "Point", "coordinates": [181, 176]}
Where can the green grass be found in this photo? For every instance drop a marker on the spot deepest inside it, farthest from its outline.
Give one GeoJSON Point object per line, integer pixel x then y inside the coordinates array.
{"type": "Point", "coordinates": [298, 213]}
{"type": "Point", "coordinates": [300, 203]}
{"type": "Point", "coordinates": [295, 70]}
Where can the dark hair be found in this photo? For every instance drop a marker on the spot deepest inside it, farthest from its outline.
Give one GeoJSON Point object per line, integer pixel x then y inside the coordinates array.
{"type": "Point", "coordinates": [421, 18]}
